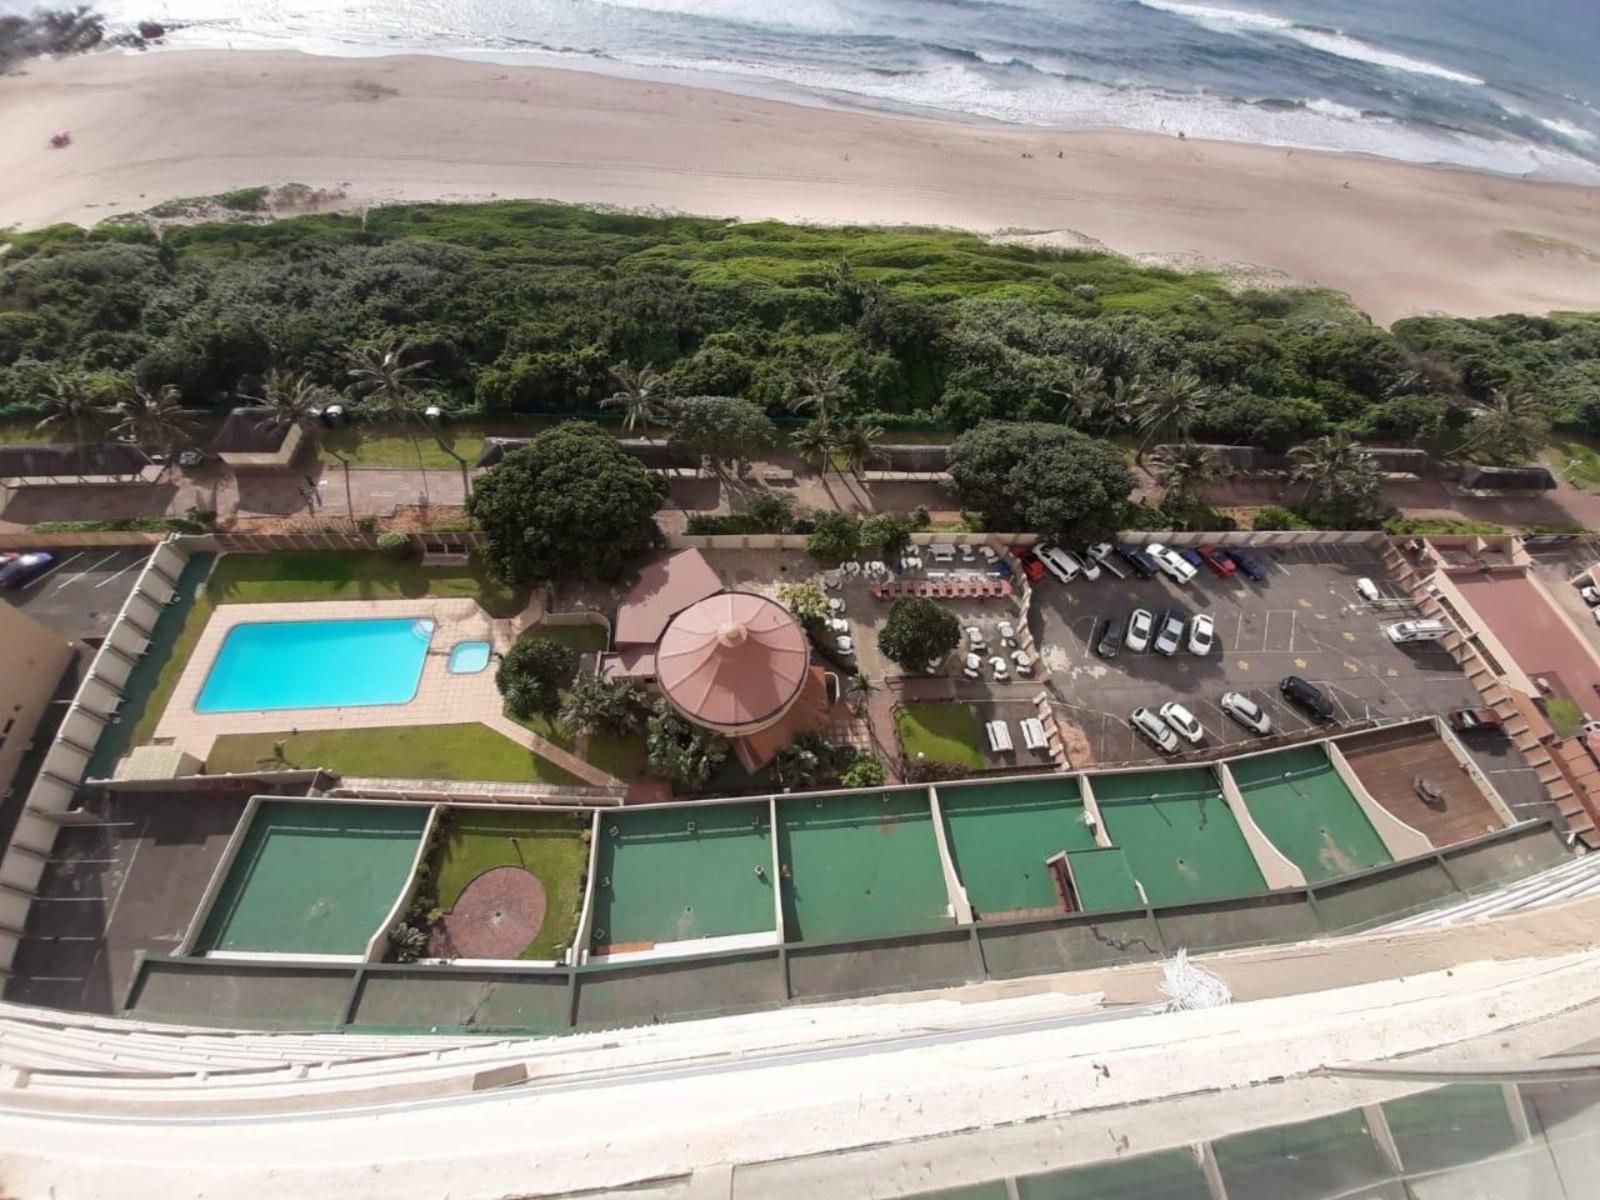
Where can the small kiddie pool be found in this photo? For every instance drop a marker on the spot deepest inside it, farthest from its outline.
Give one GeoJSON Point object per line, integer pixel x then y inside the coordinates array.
{"type": "Point", "coordinates": [467, 658]}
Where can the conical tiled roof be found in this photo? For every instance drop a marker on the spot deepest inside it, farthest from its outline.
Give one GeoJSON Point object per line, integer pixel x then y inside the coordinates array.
{"type": "Point", "coordinates": [732, 660]}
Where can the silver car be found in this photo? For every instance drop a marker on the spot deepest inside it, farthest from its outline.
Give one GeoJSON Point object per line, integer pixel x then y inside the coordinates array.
{"type": "Point", "coordinates": [1171, 635]}
{"type": "Point", "coordinates": [1247, 712]}
{"type": "Point", "coordinates": [1154, 728]}
{"type": "Point", "coordinates": [1140, 626]}
{"type": "Point", "coordinates": [1183, 722]}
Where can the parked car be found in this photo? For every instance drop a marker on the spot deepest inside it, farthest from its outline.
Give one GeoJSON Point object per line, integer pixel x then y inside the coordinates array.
{"type": "Point", "coordinates": [1192, 557]}
{"type": "Point", "coordinates": [1089, 567]}
{"type": "Point", "coordinates": [1416, 631]}
{"type": "Point", "coordinates": [1031, 566]}
{"type": "Point", "coordinates": [1110, 638]}
{"type": "Point", "coordinates": [24, 568]}
{"type": "Point", "coordinates": [1100, 551]}
{"type": "Point", "coordinates": [1173, 565]}
{"type": "Point", "coordinates": [1202, 634]}
{"type": "Point", "coordinates": [1222, 565]}
{"type": "Point", "coordinates": [1467, 720]}
{"type": "Point", "coordinates": [1183, 722]}
{"type": "Point", "coordinates": [1140, 627]}
{"type": "Point", "coordinates": [1247, 712]}
{"type": "Point", "coordinates": [1590, 594]}
{"type": "Point", "coordinates": [1170, 636]}
{"type": "Point", "coordinates": [1140, 563]}
{"type": "Point", "coordinates": [1251, 568]}
{"type": "Point", "coordinates": [1368, 590]}
{"type": "Point", "coordinates": [1307, 697]}
{"type": "Point", "coordinates": [1154, 728]}
{"type": "Point", "coordinates": [1059, 563]}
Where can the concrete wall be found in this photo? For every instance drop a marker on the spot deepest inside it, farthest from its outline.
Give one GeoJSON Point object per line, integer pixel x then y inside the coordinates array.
{"type": "Point", "coordinates": [36, 658]}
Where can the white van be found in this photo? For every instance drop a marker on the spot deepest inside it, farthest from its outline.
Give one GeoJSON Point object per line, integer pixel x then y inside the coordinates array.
{"type": "Point", "coordinates": [1416, 631]}
{"type": "Point", "coordinates": [1059, 563]}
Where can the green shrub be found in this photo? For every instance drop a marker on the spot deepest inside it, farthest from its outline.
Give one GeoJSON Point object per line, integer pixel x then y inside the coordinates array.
{"type": "Point", "coordinates": [835, 536]}
{"type": "Point", "coordinates": [865, 772]}
{"type": "Point", "coordinates": [711, 524]}
{"type": "Point", "coordinates": [123, 525]}
{"type": "Point", "coordinates": [1275, 516]}
{"type": "Point", "coordinates": [533, 673]}
{"type": "Point", "coordinates": [395, 545]}
{"type": "Point", "coordinates": [1403, 525]}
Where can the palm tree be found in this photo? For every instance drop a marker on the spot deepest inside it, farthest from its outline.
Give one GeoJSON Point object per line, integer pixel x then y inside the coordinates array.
{"type": "Point", "coordinates": [1337, 468]}
{"type": "Point", "coordinates": [155, 420]}
{"type": "Point", "coordinates": [292, 402]}
{"type": "Point", "coordinates": [858, 442]}
{"type": "Point", "coordinates": [69, 405]}
{"type": "Point", "coordinates": [1123, 399]}
{"type": "Point", "coordinates": [1168, 408]}
{"type": "Point", "coordinates": [385, 386]}
{"type": "Point", "coordinates": [641, 395]}
{"type": "Point", "coordinates": [1185, 468]}
{"type": "Point", "coordinates": [1083, 390]}
{"type": "Point", "coordinates": [815, 443]}
{"type": "Point", "coordinates": [1512, 425]}
{"type": "Point", "coordinates": [817, 390]}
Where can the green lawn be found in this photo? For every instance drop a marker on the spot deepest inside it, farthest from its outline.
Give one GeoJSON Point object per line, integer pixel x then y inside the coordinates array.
{"type": "Point", "coordinates": [1565, 717]}
{"type": "Point", "coordinates": [545, 727]}
{"type": "Point", "coordinates": [585, 639]}
{"type": "Point", "coordinates": [1577, 463]}
{"type": "Point", "coordinates": [317, 575]}
{"type": "Point", "coordinates": [550, 845]}
{"type": "Point", "coordinates": [467, 751]}
{"type": "Point", "coordinates": [623, 755]}
{"type": "Point", "coordinates": [369, 447]}
{"type": "Point", "coordinates": [945, 733]}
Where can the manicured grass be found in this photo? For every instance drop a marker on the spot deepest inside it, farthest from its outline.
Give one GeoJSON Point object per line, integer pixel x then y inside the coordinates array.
{"type": "Point", "coordinates": [545, 727]}
{"type": "Point", "coordinates": [623, 755]}
{"type": "Point", "coordinates": [25, 431]}
{"type": "Point", "coordinates": [585, 639]}
{"type": "Point", "coordinates": [1577, 463]}
{"type": "Point", "coordinates": [467, 751]}
{"type": "Point", "coordinates": [550, 845]}
{"type": "Point", "coordinates": [1565, 717]}
{"type": "Point", "coordinates": [318, 575]}
{"type": "Point", "coordinates": [385, 447]}
{"type": "Point", "coordinates": [946, 733]}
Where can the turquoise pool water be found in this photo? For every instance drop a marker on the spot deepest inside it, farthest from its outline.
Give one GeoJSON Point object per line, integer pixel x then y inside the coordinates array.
{"type": "Point", "coordinates": [316, 664]}
{"type": "Point", "coordinates": [468, 658]}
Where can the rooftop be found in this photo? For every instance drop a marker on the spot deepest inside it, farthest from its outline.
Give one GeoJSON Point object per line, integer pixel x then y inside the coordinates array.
{"type": "Point", "coordinates": [733, 659]}
{"type": "Point", "coordinates": [665, 588]}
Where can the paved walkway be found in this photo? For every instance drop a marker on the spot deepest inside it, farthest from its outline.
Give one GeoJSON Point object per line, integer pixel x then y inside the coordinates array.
{"type": "Point", "coordinates": [545, 748]}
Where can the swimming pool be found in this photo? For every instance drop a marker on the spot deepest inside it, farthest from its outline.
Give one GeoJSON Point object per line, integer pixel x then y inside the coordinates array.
{"type": "Point", "coordinates": [316, 664]}
{"type": "Point", "coordinates": [468, 658]}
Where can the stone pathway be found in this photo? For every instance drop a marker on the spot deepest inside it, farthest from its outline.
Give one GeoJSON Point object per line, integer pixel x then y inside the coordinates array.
{"type": "Point", "coordinates": [545, 748]}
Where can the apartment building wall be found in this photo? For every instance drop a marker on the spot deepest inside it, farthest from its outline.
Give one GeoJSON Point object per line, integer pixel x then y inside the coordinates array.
{"type": "Point", "coordinates": [32, 661]}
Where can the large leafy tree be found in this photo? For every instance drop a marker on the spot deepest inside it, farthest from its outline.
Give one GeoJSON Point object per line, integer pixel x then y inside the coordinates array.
{"type": "Point", "coordinates": [679, 750]}
{"type": "Point", "coordinates": [1509, 428]}
{"type": "Point", "coordinates": [569, 504]}
{"type": "Point", "coordinates": [533, 673]}
{"type": "Point", "coordinates": [919, 633]}
{"type": "Point", "coordinates": [594, 704]}
{"type": "Point", "coordinates": [724, 429]}
{"type": "Point", "coordinates": [886, 535]}
{"type": "Point", "coordinates": [1044, 479]}
{"type": "Point", "coordinates": [835, 536]}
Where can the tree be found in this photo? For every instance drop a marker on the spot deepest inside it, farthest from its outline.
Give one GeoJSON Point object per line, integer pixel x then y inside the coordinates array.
{"type": "Point", "coordinates": [886, 535]}
{"type": "Point", "coordinates": [773, 511]}
{"type": "Point", "coordinates": [806, 602]}
{"type": "Point", "coordinates": [292, 402]}
{"type": "Point", "coordinates": [641, 395]}
{"type": "Point", "coordinates": [724, 429]}
{"type": "Point", "coordinates": [681, 751]}
{"type": "Point", "coordinates": [570, 504]}
{"type": "Point", "coordinates": [1083, 393]}
{"type": "Point", "coordinates": [1511, 427]}
{"type": "Point", "coordinates": [594, 704]}
{"type": "Point", "coordinates": [69, 404]}
{"type": "Point", "coordinates": [533, 674]}
{"type": "Point", "coordinates": [865, 772]}
{"type": "Point", "coordinates": [815, 443]}
{"type": "Point", "coordinates": [1168, 407]}
{"type": "Point", "coordinates": [154, 420]}
{"type": "Point", "coordinates": [819, 391]}
{"type": "Point", "coordinates": [858, 442]}
{"type": "Point", "coordinates": [1344, 479]}
{"type": "Point", "coordinates": [803, 762]}
{"type": "Point", "coordinates": [1044, 479]}
{"type": "Point", "coordinates": [384, 385]}
{"type": "Point", "coordinates": [1184, 469]}
{"type": "Point", "coordinates": [835, 536]}
{"type": "Point", "coordinates": [919, 634]}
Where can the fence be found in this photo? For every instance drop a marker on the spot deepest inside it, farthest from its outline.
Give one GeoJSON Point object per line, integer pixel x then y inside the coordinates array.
{"type": "Point", "coordinates": [546, 1000]}
{"type": "Point", "coordinates": [93, 708]}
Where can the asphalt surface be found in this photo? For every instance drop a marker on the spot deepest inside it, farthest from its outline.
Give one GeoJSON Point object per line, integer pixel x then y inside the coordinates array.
{"type": "Point", "coordinates": [1305, 618]}
{"type": "Point", "coordinates": [83, 590]}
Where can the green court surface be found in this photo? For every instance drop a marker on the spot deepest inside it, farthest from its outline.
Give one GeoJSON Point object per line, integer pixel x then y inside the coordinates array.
{"type": "Point", "coordinates": [1305, 809]}
{"type": "Point", "coordinates": [314, 878]}
{"type": "Point", "coordinates": [1180, 838]}
{"type": "Point", "coordinates": [660, 881]}
{"type": "Point", "coordinates": [1103, 879]}
{"type": "Point", "coordinates": [1000, 835]}
{"type": "Point", "coordinates": [860, 866]}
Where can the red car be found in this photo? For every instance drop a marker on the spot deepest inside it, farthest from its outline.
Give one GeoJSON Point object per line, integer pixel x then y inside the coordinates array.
{"type": "Point", "coordinates": [1222, 566]}
{"type": "Point", "coordinates": [1031, 566]}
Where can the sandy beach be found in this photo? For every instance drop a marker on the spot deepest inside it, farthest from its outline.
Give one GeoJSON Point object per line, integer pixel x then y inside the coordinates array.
{"type": "Point", "coordinates": [1400, 239]}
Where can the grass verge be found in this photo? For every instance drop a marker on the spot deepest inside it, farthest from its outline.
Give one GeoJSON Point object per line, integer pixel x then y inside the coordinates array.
{"type": "Point", "coordinates": [622, 755]}
{"type": "Point", "coordinates": [466, 751]}
{"type": "Point", "coordinates": [946, 733]}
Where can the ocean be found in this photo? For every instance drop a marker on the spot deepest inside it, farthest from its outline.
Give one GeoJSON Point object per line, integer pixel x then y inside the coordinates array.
{"type": "Point", "coordinates": [1511, 87]}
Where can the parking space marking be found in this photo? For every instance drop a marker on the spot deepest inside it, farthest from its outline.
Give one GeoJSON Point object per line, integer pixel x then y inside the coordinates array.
{"type": "Point", "coordinates": [53, 570]}
{"type": "Point", "coordinates": [61, 583]}
{"type": "Point", "coordinates": [133, 566]}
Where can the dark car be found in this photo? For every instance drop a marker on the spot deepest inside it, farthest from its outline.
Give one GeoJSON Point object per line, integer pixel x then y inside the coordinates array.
{"type": "Point", "coordinates": [1192, 557]}
{"type": "Point", "coordinates": [1142, 564]}
{"type": "Point", "coordinates": [1110, 638]}
{"type": "Point", "coordinates": [1307, 697]}
{"type": "Point", "coordinates": [24, 567]}
{"type": "Point", "coordinates": [1244, 562]}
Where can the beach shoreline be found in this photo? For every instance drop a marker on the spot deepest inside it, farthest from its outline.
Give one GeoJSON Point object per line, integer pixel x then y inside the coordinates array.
{"type": "Point", "coordinates": [1401, 239]}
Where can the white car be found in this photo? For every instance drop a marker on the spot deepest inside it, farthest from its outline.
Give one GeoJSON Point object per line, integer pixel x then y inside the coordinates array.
{"type": "Point", "coordinates": [1183, 722]}
{"type": "Point", "coordinates": [1202, 635]}
{"type": "Point", "coordinates": [1154, 728]}
{"type": "Point", "coordinates": [1140, 626]}
{"type": "Point", "coordinates": [1247, 712]}
{"type": "Point", "coordinates": [1171, 635]}
{"type": "Point", "coordinates": [1173, 565]}
{"type": "Point", "coordinates": [1100, 551]}
{"type": "Point", "coordinates": [1091, 569]}
{"type": "Point", "coordinates": [1368, 591]}
{"type": "Point", "coordinates": [999, 667]}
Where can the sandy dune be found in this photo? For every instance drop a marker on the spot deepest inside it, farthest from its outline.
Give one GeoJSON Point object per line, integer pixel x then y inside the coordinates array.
{"type": "Point", "coordinates": [1400, 239]}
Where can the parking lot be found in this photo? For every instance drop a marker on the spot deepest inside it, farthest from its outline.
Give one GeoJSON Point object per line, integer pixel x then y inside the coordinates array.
{"type": "Point", "coordinates": [1305, 618]}
{"type": "Point", "coordinates": [82, 591]}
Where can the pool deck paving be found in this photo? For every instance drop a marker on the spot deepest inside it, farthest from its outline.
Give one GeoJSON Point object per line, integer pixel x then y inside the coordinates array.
{"type": "Point", "coordinates": [442, 698]}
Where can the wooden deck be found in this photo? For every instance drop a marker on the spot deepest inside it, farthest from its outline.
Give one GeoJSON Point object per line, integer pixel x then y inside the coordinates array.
{"type": "Point", "coordinates": [1388, 762]}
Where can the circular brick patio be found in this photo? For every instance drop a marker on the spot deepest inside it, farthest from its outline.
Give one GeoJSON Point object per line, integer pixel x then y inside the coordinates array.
{"type": "Point", "coordinates": [496, 916]}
